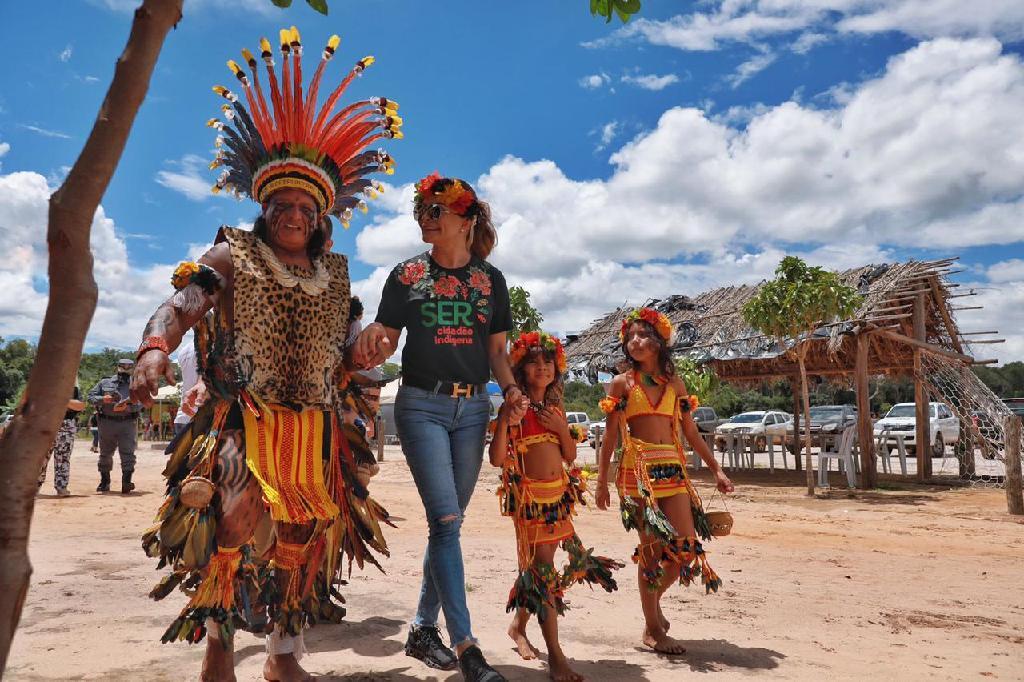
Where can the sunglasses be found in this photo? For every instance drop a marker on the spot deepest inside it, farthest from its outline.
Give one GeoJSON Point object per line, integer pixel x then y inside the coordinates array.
{"type": "Point", "coordinates": [431, 212]}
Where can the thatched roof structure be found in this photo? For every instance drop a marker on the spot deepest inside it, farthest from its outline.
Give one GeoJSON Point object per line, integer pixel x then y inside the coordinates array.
{"type": "Point", "coordinates": [710, 328]}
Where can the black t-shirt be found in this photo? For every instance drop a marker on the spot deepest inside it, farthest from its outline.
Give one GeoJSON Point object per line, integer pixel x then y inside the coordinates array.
{"type": "Point", "coordinates": [449, 315]}
{"type": "Point", "coordinates": [73, 414]}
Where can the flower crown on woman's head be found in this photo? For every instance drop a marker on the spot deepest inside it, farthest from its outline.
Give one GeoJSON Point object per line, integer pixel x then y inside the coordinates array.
{"type": "Point", "coordinates": [659, 321]}
{"type": "Point", "coordinates": [457, 196]}
{"type": "Point", "coordinates": [543, 341]}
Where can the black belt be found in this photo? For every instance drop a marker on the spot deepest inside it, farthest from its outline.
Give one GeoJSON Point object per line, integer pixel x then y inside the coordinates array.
{"type": "Point", "coordinates": [118, 419]}
{"type": "Point", "coordinates": [454, 389]}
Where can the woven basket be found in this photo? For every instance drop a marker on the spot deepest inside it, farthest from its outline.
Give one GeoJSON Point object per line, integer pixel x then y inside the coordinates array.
{"type": "Point", "coordinates": [196, 492]}
{"type": "Point", "coordinates": [720, 523]}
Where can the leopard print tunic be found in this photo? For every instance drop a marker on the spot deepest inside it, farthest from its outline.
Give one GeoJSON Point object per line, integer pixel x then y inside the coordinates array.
{"type": "Point", "coordinates": [289, 342]}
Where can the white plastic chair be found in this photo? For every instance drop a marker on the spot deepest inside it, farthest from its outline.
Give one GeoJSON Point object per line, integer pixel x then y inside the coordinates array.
{"type": "Point", "coordinates": [885, 451]}
{"type": "Point", "coordinates": [843, 456]}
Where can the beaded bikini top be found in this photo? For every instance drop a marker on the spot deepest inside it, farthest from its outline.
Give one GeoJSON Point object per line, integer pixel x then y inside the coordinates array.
{"type": "Point", "coordinates": [638, 404]}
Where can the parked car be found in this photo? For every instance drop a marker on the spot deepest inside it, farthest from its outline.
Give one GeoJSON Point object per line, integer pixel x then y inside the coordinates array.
{"type": "Point", "coordinates": [831, 418]}
{"type": "Point", "coordinates": [578, 418]}
{"type": "Point", "coordinates": [943, 425]}
{"type": "Point", "coordinates": [706, 418]}
{"type": "Point", "coordinates": [1016, 405]}
{"type": "Point", "coordinates": [763, 425]}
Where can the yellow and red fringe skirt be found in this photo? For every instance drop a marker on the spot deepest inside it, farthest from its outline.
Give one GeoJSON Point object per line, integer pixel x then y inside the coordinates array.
{"type": "Point", "coordinates": [542, 510]}
{"type": "Point", "coordinates": [649, 472]}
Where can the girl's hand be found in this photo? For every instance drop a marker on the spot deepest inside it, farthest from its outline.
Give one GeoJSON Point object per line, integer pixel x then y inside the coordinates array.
{"type": "Point", "coordinates": [602, 496]}
{"type": "Point", "coordinates": [552, 419]}
{"type": "Point", "coordinates": [515, 410]}
{"type": "Point", "coordinates": [723, 483]}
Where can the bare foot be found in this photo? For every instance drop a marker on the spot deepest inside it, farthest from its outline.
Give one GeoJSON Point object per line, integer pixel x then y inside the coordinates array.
{"type": "Point", "coordinates": [662, 643]}
{"type": "Point", "coordinates": [218, 663]}
{"type": "Point", "coordinates": [526, 651]}
{"type": "Point", "coordinates": [559, 670]}
{"type": "Point", "coordinates": [284, 668]}
{"type": "Point", "coordinates": [665, 625]}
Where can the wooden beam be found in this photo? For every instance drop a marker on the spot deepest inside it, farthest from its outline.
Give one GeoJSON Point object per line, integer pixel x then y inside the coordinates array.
{"type": "Point", "coordinates": [865, 435]}
{"type": "Point", "coordinates": [966, 307]}
{"type": "Point", "coordinates": [923, 345]}
{"type": "Point", "coordinates": [940, 303]}
{"type": "Point", "coordinates": [985, 362]}
{"type": "Point", "coordinates": [1014, 497]}
{"type": "Point", "coordinates": [922, 410]}
{"type": "Point", "coordinates": [976, 333]}
{"type": "Point", "coordinates": [987, 341]}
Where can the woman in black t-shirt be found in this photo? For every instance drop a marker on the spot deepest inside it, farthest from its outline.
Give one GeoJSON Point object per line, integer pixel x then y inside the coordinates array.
{"type": "Point", "coordinates": [455, 308]}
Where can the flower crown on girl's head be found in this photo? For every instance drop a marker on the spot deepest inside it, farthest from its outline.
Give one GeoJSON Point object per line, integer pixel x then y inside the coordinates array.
{"type": "Point", "coordinates": [527, 341]}
{"type": "Point", "coordinates": [457, 196]}
{"type": "Point", "coordinates": [659, 321]}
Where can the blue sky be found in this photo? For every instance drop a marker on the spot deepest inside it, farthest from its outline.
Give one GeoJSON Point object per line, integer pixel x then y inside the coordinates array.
{"type": "Point", "coordinates": [691, 148]}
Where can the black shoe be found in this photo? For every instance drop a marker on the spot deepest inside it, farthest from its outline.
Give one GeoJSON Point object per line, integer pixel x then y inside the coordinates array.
{"type": "Point", "coordinates": [425, 643]}
{"type": "Point", "coordinates": [104, 486]}
{"type": "Point", "coordinates": [475, 669]}
{"type": "Point", "coordinates": [126, 482]}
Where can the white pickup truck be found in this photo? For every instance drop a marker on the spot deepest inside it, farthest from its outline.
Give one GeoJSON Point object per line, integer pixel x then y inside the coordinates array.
{"type": "Point", "coordinates": [943, 424]}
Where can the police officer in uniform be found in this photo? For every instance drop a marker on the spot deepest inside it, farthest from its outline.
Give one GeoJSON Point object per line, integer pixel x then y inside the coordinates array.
{"type": "Point", "coordinates": [117, 425]}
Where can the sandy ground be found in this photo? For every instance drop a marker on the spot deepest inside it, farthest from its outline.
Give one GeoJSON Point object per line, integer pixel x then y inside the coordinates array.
{"type": "Point", "coordinates": [908, 584]}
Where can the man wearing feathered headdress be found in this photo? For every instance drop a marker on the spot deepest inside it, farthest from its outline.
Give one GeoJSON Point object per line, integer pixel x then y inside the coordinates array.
{"type": "Point", "coordinates": [270, 308]}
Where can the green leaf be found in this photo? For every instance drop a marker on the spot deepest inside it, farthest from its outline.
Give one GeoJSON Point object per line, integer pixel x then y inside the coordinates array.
{"type": "Point", "coordinates": [282, 3]}
{"type": "Point", "coordinates": [319, 5]}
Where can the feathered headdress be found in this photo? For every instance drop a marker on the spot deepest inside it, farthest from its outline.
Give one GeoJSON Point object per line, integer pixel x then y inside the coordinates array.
{"type": "Point", "coordinates": [288, 143]}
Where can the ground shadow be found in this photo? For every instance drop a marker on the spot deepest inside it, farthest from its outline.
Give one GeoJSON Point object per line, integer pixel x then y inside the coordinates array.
{"type": "Point", "coordinates": [396, 674]}
{"type": "Point", "coordinates": [714, 655]}
{"type": "Point", "coordinates": [368, 637]}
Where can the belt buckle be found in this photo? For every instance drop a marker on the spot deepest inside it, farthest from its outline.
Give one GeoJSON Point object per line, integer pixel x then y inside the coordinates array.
{"type": "Point", "coordinates": [460, 390]}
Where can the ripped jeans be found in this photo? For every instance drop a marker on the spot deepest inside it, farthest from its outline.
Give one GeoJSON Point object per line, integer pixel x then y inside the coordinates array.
{"type": "Point", "coordinates": [443, 442]}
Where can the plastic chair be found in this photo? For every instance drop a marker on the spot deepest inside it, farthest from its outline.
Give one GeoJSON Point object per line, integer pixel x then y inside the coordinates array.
{"type": "Point", "coordinates": [843, 456]}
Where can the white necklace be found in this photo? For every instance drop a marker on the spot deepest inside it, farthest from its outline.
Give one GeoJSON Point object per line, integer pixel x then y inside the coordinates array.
{"type": "Point", "coordinates": [314, 286]}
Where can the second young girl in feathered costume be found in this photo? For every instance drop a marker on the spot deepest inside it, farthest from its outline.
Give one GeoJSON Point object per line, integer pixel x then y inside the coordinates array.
{"type": "Point", "coordinates": [540, 487]}
{"type": "Point", "coordinates": [647, 407]}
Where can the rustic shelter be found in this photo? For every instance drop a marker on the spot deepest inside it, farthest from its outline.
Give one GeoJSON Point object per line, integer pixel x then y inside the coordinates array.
{"type": "Point", "coordinates": [907, 311]}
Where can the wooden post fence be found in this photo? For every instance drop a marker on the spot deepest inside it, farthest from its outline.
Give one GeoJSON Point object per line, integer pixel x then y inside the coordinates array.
{"type": "Point", "coordinates": [1014, 495]}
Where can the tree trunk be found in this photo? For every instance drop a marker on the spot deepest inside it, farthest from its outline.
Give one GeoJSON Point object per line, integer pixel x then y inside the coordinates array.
{"type": "Point", "coordinates": [807, 413]}
{"type": "Point", "coordinates": [71, 305]}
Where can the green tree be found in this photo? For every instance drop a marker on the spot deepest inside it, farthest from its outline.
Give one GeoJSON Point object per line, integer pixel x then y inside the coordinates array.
{"type": "Point", "coordinates": [525, 317]}
{"type": "Point", "coordinates": [580, 396]}
{"type": "Point", "coordinates": [624, 9]}
{"type": "Point", "coordinates": [16, 358]}
{"type": "Point", "coordinates": [799, 300]}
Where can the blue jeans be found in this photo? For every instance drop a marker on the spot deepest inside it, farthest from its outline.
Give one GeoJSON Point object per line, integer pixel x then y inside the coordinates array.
{"type": "Point", "coordinates": [443, 442]}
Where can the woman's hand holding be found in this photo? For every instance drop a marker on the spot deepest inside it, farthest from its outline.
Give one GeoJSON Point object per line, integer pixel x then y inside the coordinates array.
{"type": "Point", "coordinates": [194, 398]}
{"type": "Point", "coordinates": [372, 347]}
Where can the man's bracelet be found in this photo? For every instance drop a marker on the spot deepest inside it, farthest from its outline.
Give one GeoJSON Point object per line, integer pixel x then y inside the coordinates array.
{"type": "Point", "coordinates": [152, 343]}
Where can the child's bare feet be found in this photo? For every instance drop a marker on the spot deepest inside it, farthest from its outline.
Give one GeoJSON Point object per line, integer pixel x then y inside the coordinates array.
{"type": "Point", "coordinates": [559, 670]}
{"type": "Point", "coordinates": [659, 641]}
{"type": "Point", "coordinates": [284, 668]}
{"type": "Point", "coordinates": [525, 650]}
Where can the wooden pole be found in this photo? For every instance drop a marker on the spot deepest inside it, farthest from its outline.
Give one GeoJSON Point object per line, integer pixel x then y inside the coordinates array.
{"type": "Point", "coordinates": [73, 294]}
{"type": "Point", "coordinates": [378, 431]}
{"type": "Point", "coordinates": [794, 387]}
{"type": "Point", "coordinates": [1014, 496]}
{"type": "Point", "coordinates": [922, 408]}
{"type": "Point", "coordinates": [868, 474]}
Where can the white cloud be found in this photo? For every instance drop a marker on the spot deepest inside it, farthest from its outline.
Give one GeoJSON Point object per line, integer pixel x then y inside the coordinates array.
{"type": "Point", "coordinates": [595, 81]}
{"type": "Point", "coordinates": [929, 154]}
{"type": "Point", "coordinates": [1007, 271]}
{"type": "Point", "coordinates": [192, 177]}
{"type": "Point", "coordinates": [607, 133]}
{"type": "Point", "coordinates": [65, 54]}
{"type": "Point", "coordinates": [45, 132]}
{"type": "Point", "coordinates": [750, 21]}
{"type": "Point", "coordinates": [750, 68]}
{"type": "Point", "coordinates": [650, 81]}
{"type": "Point", "coordinates": [808, 41]}
{"type": "Point", "coordinates": [127, 295]}
{"type": "Point", "coordinates": [4, 148]}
